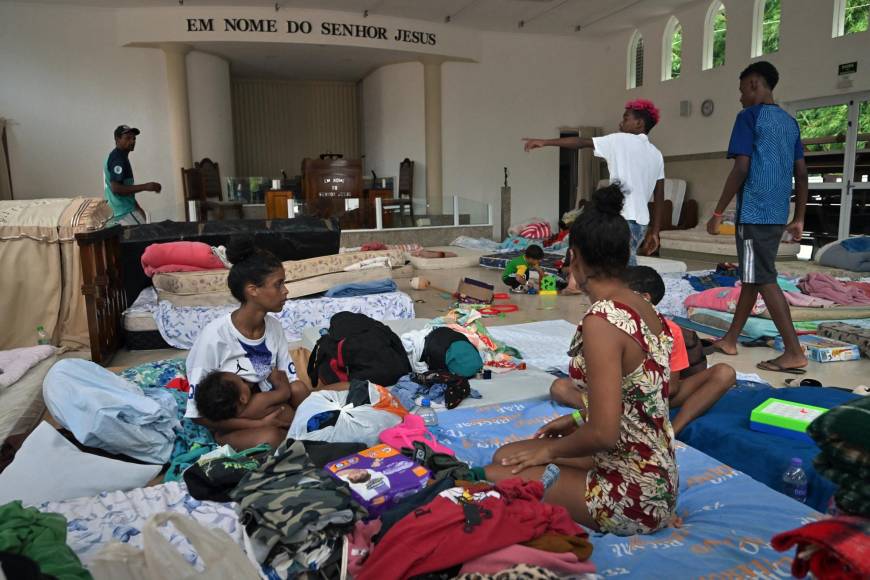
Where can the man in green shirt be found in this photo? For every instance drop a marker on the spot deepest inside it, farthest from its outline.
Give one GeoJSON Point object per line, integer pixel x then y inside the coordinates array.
{"type": "Point", "coordinates": [118, 176]}
{"type": "Point", "coordinates": [516, 272]}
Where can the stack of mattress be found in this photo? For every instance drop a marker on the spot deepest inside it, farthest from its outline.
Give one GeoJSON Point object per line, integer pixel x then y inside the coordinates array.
{"type": "Point", "coordinates": [303, 278]}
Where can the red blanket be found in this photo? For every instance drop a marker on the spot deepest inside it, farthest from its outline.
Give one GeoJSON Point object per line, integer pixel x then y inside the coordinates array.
{"type": "Point", "coordinates": [834, 549]}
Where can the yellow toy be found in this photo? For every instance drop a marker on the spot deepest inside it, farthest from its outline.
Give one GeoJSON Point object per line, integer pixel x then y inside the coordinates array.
{"type": "Point", "coordinates": [521, 270]}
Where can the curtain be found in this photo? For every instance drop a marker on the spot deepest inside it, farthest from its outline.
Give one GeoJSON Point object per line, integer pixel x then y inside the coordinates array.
{"type": "Point", "coordinates": [5, 170]}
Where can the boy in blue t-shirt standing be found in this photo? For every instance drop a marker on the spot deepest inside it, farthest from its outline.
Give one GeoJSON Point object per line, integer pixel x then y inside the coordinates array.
{"type": "Point", "coordinates": [767, 151]}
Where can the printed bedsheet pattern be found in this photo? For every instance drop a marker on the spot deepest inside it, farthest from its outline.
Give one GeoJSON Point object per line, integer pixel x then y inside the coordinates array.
{"type": "Point", "coordinates": [180, 325]}
{"type": "Point", "coordinates": [727, 517]}
{"type": "Point", "coordinates": [93, 522]}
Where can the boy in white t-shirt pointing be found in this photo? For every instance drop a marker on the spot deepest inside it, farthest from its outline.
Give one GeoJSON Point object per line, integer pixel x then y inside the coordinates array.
{"type": "Point", "coordinates": [636, 164]}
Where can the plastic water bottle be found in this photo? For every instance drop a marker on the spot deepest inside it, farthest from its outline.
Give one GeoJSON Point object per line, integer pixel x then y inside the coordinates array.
{"type": "Point", "coordinates": [550, 476]}
{"type": "Point", "coordinates": [41, 335]}
{"type": "Point", "coordinates": [794, 481]}
{"type": "Point", "coordinates": [425, 410]}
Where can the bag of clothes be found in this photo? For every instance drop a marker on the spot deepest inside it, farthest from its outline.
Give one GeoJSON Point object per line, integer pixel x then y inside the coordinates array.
{"type": "Point", "coordinates": [357, 347]}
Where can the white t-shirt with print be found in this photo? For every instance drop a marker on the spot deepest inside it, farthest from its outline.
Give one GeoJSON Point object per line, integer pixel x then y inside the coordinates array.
{"type": "Point", "coordinates": [221, 347]}
{"type": "Point", "coordinates": [637, 164]}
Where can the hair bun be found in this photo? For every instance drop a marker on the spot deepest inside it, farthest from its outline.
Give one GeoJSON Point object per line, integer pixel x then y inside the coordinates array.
{"type": "Point", "coordinates": [609, 200]}
{"type": "Point", "coordinates": [240, 249]}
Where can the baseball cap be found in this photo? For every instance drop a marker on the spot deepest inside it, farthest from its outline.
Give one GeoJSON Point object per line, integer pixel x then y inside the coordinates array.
{"type": "Point", "coordinates": [122, 129]}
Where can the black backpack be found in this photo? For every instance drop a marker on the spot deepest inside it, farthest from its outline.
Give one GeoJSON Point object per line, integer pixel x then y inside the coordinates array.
{"type": "Point", "coordinates": [358, 347]}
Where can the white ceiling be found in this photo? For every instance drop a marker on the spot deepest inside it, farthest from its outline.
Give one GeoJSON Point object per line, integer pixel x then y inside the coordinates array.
{"type": "Point", "coordinates": [595, 17]}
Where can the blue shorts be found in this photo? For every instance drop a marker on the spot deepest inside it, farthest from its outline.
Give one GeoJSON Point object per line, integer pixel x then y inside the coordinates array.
{"type": "Point", "coordinates": [637, 234]}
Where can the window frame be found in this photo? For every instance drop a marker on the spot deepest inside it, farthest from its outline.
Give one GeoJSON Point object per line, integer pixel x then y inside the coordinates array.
{"type": "Point", "coordinates": [758, 29]}
{"type": "Point", "coordinates": [710, 35]}
{"type": "Point", "coordinates": [668, 49]}
{"type": "Point", "coordinates": [839, 21]}
{"type": "Point", "coordinates": [632, 77]}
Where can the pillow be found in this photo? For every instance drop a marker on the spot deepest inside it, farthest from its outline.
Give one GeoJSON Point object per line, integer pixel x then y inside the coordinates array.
{"type": "Point", "coordinates": [179, 257]}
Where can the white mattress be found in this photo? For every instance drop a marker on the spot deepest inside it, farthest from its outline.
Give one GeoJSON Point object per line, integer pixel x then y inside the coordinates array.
{"type": "Point", "coordinates": [465, 258]}
{"type": "Point", "coordinates": [139, 317]}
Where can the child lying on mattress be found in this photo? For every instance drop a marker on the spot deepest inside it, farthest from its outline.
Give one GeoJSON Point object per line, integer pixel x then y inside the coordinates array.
{"type": "Point", "coordinates": [256, 404]}
{"type": "Point", "coordinates": [693, 394]}
{"type": "Point", "coordinates": [618, 470]}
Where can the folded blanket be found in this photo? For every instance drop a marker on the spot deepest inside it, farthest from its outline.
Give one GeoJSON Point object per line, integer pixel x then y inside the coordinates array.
{"type": "Point", "coordinates": [14, 363]}
{"type": "Point", "coordinates": [846, 423]}
{"type": "Point", "coordinates": [832, 548]}
{"type": "Point", "coordinates": [179, 257]}
{"type": "Point", "coordinates": [362, 288]}
{"type": "Point", "coordinates": [829, 288]}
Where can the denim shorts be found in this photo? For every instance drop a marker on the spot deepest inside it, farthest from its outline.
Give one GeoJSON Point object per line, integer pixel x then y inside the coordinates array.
{"type": "Point", "coordinates": [637, 234]}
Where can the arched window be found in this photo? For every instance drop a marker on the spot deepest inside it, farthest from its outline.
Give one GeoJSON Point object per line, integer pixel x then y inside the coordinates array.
{"type": "Point", "coordinates": [635, 61]}
{"type": "Point", "coordinates": [851, 16]}
{"type": "Point", "coordinates": [765, 31]}
{"type": "Point", "coordinates": [715, 28]}
{"type": "Point", "coordinates": [672, 49]}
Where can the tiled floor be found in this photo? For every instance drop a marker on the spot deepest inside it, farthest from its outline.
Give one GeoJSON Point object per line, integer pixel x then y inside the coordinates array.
{"type": "Point", "coordinates": [434, 301]}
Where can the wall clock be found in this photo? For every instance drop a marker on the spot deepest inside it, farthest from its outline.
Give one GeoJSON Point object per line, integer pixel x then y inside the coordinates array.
{"type": "Point", "coordinates": [707, 107]}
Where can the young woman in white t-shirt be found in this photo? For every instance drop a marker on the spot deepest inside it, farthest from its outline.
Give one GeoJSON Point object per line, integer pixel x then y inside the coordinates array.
{"type": "Point", "coordinates": [239, 368]}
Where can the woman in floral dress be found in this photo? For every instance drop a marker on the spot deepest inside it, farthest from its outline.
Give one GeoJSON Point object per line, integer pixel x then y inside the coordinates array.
{"type": "Point", "coordinates": [618, 471]}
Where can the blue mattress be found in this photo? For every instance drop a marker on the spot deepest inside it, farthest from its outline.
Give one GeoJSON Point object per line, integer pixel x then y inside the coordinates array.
{"type": "Point", "coordinates": [727, 517]}
{"type": "Point", "coordinates": [724, 433]}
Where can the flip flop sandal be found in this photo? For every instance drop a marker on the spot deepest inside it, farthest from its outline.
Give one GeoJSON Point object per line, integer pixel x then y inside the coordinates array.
{"type": "Point", "coordinates": [769, 365]}
{"type": "Point", "coordinates": [763, 341]}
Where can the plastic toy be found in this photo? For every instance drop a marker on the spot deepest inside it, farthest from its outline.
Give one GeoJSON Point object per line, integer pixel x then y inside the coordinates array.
{"type": "Point", "coordinates": [548, 286]}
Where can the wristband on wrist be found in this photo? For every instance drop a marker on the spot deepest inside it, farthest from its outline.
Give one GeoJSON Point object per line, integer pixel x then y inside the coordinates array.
{"type": "Point", "coordinates": [717, 214]}
{"type": "Point", "coordinates": [577, 417]}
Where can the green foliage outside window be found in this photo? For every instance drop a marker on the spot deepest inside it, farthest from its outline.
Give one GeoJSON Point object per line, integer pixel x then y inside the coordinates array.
{"type": "Point", "coordinates": [720, 25]}
{"type": "Point", "coordinates": [770, 26]}
{"type": "Point", "coordinates": [857, 16]}
{"type": "Point", "coordinates": [676, 51]}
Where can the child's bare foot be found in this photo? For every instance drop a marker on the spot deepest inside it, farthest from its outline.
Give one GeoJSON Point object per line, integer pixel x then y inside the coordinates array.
{"type": "Point", "coordinates": [724, 347]}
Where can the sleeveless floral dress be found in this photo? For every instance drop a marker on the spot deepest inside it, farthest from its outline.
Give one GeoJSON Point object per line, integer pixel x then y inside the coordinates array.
{"type": "Point", "coordinates": [632, 488]}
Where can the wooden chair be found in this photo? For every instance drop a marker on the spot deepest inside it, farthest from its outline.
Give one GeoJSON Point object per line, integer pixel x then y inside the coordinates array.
{"type": "Point", "coordinates": [192, 184]}
{"type": "Point", "coordinates": [213, 191]}
{"type": "Point", "coordinates": [405, 199]}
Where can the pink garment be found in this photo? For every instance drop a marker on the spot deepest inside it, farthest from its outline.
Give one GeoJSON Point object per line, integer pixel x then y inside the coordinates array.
{"type": "Point", "coordinates": [565, 563]}
{"type": "Point", "coordinates": [722, 300]}
{"type": "Point", "coordinates": [360, 545]}
{"type": "Point", "coordinates": [806, 301]}
{"type": "Point", "coordinates": [862, 286]}
{"type": "Point", "coordinates": [373, 246]}
{"type": "Point", "coordinates": [409, 430]}
{"type": "Point", "coordinates": [179, 257]}
{"type": "Point", "coordinates": [829, 288]}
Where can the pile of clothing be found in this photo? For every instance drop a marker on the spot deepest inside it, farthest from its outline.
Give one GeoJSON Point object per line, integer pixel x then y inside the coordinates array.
{"type": "Point", "coordinates": [33, 545]}
{"type": "Point", "coordinates": [497, 356]}
{"type": "Point", "coordinates": [843, 436]}
{"type": "Point", "coordinates": [457, 527]}
{"type": "Point", "coordinates": [837, 547]}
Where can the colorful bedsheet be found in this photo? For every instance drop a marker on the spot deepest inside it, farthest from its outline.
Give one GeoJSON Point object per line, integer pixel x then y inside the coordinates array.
{"type": "Point", "coordinates": [180, 325]}
{"type": "Point", "coordinates": [727, 517]}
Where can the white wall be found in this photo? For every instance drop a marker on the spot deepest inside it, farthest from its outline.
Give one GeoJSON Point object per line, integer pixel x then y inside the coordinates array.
{"type": "Point", "coordinates": [393, 123]}
{"type": "Point", "coordinates": [211, 110]}
{"type": "Point", "coordinates": [524, 86]}
{"type": "Point", "coordinates": [807, 61]}
{"type": "Point", "coordinates": [65, 84]}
